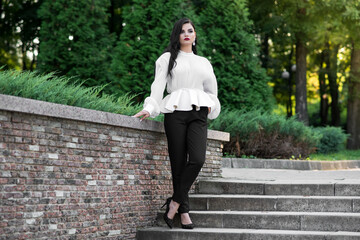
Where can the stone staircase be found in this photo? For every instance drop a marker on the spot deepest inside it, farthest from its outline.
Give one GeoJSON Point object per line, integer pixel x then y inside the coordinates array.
{"type": "Point", "coordinates": [227, 209]}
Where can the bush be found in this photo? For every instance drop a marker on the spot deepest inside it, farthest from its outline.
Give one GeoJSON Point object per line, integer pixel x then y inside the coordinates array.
{"type": "Point", "coordinates": [243, 84]}
{"type": "Point", "coordinates": [50, 88]}
{"type": "Point", "coordinates": [265, 135]}
{"type": "Point", "coordinates": [332, 139]}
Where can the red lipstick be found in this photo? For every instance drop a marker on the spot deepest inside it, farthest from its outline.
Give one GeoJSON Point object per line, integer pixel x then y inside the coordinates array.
{"type": "Point", "coordinates": [186, 39]}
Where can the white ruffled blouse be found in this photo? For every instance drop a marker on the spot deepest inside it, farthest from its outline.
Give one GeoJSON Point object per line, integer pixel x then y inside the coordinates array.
{"type": "Point", "coordinates": [193, 82]}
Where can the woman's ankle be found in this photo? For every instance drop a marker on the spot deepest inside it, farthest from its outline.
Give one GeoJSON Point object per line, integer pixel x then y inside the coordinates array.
{"type": "Point", "coordinates": [174, 206]}
{"type": "Point", "coordinates": [185, 218]}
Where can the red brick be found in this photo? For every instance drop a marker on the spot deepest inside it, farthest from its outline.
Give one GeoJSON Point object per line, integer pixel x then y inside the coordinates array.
{"type": "Point", "coordinates": [57, 190]}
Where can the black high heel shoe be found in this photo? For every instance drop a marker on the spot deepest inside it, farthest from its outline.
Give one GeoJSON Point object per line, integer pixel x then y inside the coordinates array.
{"type": "Point", "coordinates": [188, 226]}
{"type": "Point", "coordinates": [168, 221]}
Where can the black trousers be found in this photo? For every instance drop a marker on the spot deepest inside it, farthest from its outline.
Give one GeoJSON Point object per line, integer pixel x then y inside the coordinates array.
{"type": "Point", "coordinates": [186, 132]}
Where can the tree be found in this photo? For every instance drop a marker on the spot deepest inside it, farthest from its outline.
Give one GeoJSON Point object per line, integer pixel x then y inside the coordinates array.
{"type": "Point", "coordinates": [330, 38]}
{"type": "Point", "coordinates": [300, 78]}
{"type": "Point", "coordinates": [19, 30]}
{"type": "Point", "coordinates": [331, 65]}
{"type": "Point", "coordinates": [277, 53]}
{"type": "Point", "coordinates": [297, 14]}
{"type": "Point", "coordinates": [29, 24]}
{"type": "Point", "coordinates": [8, 37]}
{"type": "Point", "coordinates": [324, 100]}
{"type": "Point", "coordinates": [287, 23]}
{"type": "Point", "coordinates": [347, 23]}
{"type": "Point", "coordinates": [351, 18]}
{"type": "Point", "coordinates": [147, 26]}
{"type": "Point", "coordinates": [265, 25]}
{"type": "Point", "coordinates": [75, 40]}
{"type": "Point", "coordinates": [232, 50]}
{"type": "Point", "coordinates": [354, 99]}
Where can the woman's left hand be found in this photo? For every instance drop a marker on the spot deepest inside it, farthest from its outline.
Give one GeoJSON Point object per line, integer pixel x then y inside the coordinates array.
{"type": "Point", "coordinates": [144, 114]}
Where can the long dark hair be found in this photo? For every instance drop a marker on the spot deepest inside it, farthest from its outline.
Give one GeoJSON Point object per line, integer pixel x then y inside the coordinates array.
{"type": "Point", "coordinates": [174, 45]}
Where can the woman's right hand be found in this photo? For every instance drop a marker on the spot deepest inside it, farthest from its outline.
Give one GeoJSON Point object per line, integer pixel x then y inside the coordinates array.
{"type": "Point", "coordinates": [143, 113]}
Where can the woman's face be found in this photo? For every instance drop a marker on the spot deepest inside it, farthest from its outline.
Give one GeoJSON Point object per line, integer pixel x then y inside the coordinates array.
{"type": "Point", "coordinates": [187, 35]}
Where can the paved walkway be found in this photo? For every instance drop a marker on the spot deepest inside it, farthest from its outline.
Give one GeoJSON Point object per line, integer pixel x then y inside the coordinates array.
{"type": "Point", "coordinates": [293, 176]}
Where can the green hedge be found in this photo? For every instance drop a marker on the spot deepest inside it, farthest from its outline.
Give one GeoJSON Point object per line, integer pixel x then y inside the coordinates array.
{"type": "Point", "coordinates": [265, 135]}
{"type": "Point", "coordinates": [50, 88]}
{"type": "Point", "coordinates": [254, 133]}
{"type": "Point", "coordinates": [333, 139]}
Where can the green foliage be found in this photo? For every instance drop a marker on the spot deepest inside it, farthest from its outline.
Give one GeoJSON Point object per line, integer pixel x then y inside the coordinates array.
{"type": "Point", "coordinates": [223, 37]}
{"type": "Point", "coordinates": [332, 139]}
{"type": "Point", "coordinates": [233, 52]}
{"type": "Point", "coordinates": [63, 90]}
{"type": "Point", "coordinates": [146, 32]}
{"type": "Point", "coordinates": [75, 40]}
{"type": "Point", "coordinates": [341, 155]}
{"type": "Point", "coordinates": [350, 17]}
{"type": "Point", "coordinates": [19, 25]}
{"type": "Point", "coordinates": [299, 16]}
{"type": "Point", "coordinates": [261, 134]}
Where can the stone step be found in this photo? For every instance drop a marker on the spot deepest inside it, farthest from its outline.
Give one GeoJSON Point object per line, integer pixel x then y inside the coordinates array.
{"type": "Point", "coordinates": [289, 164]}
{"type": "Point", "coordinates": [307, 188]}
{"type": "Point", "coordinates": [301, 221]}
{"type": "Point", "coordinates": [162, 233]}
{"type": "Point", "coordinates": [274, 203]}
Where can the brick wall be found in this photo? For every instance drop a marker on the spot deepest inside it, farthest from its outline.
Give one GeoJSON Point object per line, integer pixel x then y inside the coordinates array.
{"type": "Point", "coordinates": [72, 173]}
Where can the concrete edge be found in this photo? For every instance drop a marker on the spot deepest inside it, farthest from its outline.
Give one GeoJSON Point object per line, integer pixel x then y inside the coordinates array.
{"type": "Point", "coordinates": [290, 164]}
{"type": "Point", "coordinates": [31, 106]}
{"type": "Point", "coordinates": [269, 232]}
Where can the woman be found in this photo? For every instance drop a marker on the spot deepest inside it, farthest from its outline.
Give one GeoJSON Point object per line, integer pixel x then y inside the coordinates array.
{"type": "Point", "coordinates": [192, 98]}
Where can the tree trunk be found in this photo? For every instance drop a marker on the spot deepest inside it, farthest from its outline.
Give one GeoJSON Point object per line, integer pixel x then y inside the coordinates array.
{"type": "Point", "coordinates": [300, 79]}
{"type": "Point", "coordinates": [324, 101]}
{"type": "Point", "coordinates": [289, 106]}
{"type": "Point", "coordinates": [353, 114]}
{"type": "Point", "coordinates": [290, 84]}
{"type": "Point", "coordinates": [331, 67]}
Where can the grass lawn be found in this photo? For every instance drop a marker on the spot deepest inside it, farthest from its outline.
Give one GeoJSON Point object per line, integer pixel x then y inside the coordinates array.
{"type": "Point", "coordinates": [342, 155]}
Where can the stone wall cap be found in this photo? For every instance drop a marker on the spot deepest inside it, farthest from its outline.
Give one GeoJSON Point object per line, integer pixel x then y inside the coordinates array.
{"type": "Point", "coordinates": [31, 106]}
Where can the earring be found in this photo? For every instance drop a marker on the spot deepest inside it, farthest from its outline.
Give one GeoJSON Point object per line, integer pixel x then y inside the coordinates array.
{"type": "Point", "coordinates": [194, 42]}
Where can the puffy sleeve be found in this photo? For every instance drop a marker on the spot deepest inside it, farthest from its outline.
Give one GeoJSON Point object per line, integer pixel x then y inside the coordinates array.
{"type": "Point", "coordinates": [210, 87]}
{"type": "Point", "coordinates": [152, 103]}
